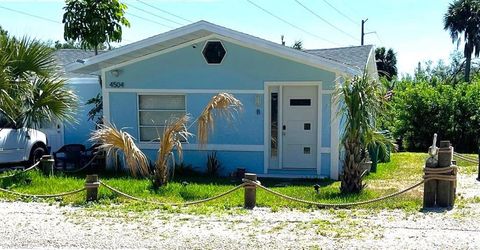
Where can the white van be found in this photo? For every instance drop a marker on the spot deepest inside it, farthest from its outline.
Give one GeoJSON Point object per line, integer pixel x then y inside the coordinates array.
{"type": "Point", "coordinates": [22, 145]}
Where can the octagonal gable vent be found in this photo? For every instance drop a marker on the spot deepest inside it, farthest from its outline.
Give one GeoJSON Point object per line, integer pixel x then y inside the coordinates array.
{"type": "Point", "coordinates": [214, 52]}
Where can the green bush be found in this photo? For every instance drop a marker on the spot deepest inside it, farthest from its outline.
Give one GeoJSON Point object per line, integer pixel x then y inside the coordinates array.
{"type": "Point", "coordinates": [421, 109]}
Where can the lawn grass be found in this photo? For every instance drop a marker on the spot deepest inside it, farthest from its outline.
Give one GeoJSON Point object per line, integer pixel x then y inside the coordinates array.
{"type": "Point", "coordinates": [405, 169]}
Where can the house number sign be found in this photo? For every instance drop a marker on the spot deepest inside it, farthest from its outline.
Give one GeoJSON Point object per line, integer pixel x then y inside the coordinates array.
{"type": "Point", "coordinates": [116, 84]}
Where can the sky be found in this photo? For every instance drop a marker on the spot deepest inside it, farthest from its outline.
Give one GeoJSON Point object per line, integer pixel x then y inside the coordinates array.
{"type": "Point", "coordinates": [412, 28]}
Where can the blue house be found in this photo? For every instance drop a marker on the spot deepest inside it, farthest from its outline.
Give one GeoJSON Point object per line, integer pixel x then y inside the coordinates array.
{"type": "Point", "coordinates": [288, 127]}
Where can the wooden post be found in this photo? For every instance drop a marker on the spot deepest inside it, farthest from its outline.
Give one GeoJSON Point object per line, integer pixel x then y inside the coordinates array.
{"type": "Point", "coordinates": [250, 198]}
{"type": "Point", "coordinates": [445, 188]}
{"type": "Point", "coordinates": [429, 193]}
{"type": "Point", "coordinates": [429, 187]}
{"type": "Point", "coordinates": [91, 185]}
{"type": "Point", "coordinates": [46, 164]}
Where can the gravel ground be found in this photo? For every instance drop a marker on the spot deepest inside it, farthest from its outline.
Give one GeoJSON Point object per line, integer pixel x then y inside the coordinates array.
{"type": "Point", "coordinates": [40, 225]}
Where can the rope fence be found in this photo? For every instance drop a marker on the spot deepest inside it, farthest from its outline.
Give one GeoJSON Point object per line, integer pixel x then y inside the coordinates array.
{"type": "Point", "coordinates": [21, 172]}
{"type": "Point", "coordinates": [82, 168]}
{"type": "Point", "coordinates": [42, 195]}
{"type": "Point", "coordinates": [465, 158]}
{"type": "Point", "coordinates": [250, 183]}
{"type": "Point", "coordinates": [172, 204]}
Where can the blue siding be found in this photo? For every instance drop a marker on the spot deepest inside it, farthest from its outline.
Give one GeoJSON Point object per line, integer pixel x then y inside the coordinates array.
{"type": "Point", "coordinates": [326, 119]}
{"type": "Point", "coordinates": [79, 132]}
{"type": "Point", "coordinates": [245, 128]}
{"type": "Point", "coordinates": [251, 161]}
{"type": "Point", "coordinates": [325, 164]}
{"type": "Point", "coordinates": [242, 68]}
{"type": "Point", "coordinates": [124, 112]}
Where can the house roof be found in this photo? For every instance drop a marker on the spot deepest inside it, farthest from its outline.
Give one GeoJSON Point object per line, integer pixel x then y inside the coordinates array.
{"type": "Point", "coordinates": [200, 30]}
{"type": "Point", "coordinates": [65, 57]}
{"type": "Point", "coordinates": [356, 56]}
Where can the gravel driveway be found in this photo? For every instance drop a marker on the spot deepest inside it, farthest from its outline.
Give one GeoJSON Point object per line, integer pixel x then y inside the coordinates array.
{"type": "Point", "coordinates": [40, 225]}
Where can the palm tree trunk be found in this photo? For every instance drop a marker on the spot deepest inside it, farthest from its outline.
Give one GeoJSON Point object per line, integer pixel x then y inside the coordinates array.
{"type": "Point", "coordinates": [468, 61]}
{"type": "Point", "coordinates": [351, 178]}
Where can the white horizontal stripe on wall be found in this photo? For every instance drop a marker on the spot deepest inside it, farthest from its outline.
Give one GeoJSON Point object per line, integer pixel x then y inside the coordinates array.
{"type": "Point", "coordinates": [211, 147]}
{"type": "Point", "coordinates": [188, 91]}
{"type": "Point", "coordinates": [220, 147]}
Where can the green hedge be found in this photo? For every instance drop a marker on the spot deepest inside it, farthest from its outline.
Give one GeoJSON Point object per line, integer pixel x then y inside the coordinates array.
{"type": "Point", "coordinates": [421, 109]}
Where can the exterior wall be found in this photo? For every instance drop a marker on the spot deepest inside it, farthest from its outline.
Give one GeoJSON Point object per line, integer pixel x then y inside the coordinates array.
{"type": "Point", "coordinates": [79, 132]}
{"type": "Point", "coordinates": [243, 73]}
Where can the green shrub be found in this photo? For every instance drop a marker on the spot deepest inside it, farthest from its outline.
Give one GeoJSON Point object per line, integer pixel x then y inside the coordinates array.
{"type": "Point", "coordinates": [421, 109]}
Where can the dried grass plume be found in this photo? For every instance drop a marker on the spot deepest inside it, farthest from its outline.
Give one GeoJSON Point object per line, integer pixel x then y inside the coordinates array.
{"type": "Point", "coordinates": [174, 134]}
{"type": "Point", "coordinates": [113, 140]}
{"type": "Point", "coordinates": [223, 104]}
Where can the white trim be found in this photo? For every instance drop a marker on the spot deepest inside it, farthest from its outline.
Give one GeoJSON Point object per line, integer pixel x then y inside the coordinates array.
{"type": "Point", "coordinates": [319, 128]}
{"type": "Point", "coordinates": [266, 125]}
{"type": "Point", "coordinates": [160, 52]}
{"type": "Point", "coordinates": [211, 147]}
{"type": "Point", "coordinates": [303, 58]}
{"type": "Point", "coordinates": [334, 141]}
{"type": "Point", "coordinates": [292, 176]}
{"type": "Point", "coordinates": [280, 127]}
{"type": "Point", "coordinates": [205, 45]}
{"type": "Point", "coordinates": [106, 99]}
{"type": "Point", "coordinates": [293, 83]}
{"type": "Point", "coordinates": [86, 81]}
{"type": "Point", "coordinates": [185, 91]}
{"type": "Point", "coordinates": [203, 29]}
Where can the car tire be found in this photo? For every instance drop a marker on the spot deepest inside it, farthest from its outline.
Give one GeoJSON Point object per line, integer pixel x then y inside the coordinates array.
{"type": "Point", "coordinates": [36, 154]}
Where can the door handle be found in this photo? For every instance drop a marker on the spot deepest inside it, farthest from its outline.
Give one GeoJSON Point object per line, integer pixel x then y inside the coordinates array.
{"type": "Point", "coordinates": [284, 127]}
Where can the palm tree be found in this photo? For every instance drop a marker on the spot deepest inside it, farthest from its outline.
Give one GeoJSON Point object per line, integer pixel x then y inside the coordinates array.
{"type": "Point", "coordinates": [386, 62]}
{"type": "Point", "coordinates": [462, 18]}
{"type": "Point", "coordinates": [361, 100]}
{"type": "Point", "coordinates": [116, 141]}
{"type": "Point", "coordinates": [31, 91]}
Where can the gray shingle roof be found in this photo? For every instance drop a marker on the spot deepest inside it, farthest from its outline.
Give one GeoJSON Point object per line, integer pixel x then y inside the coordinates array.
{"type": "Point", "coordinates": [356, 56]}
{"type": "Point", "coordinates": [67, 56]}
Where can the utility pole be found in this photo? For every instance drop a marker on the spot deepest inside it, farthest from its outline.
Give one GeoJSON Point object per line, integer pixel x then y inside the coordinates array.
{"type": "Point", "coordinates": [363, 30]}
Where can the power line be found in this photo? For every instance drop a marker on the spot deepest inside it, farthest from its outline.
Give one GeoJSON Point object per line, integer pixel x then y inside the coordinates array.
{"type": "Point", "coordinates": [341, 13]}
{"type": "Point", "coordinates": [164, 11]}
{"type": "Point", "coordinates": [153, 14]}
{"type": "Point", "coordinates": [291, 24]}
{"type": "Point", "coordinates": [327, 22]}
{"type": "Point", "coordinates": [149, 20]}
{"type": "Point", "coordinates": [32, 15]}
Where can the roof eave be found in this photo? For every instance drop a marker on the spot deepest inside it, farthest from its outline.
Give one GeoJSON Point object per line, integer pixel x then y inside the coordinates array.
{"type": "Point", "coordinates": [99, 62]}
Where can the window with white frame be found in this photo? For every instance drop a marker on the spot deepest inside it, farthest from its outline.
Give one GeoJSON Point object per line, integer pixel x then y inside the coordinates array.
{"type": "Point", "coordinates": [154, 111]}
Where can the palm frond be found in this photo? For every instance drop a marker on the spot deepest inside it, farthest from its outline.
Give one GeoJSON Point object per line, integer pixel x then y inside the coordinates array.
{"type": "Point", "coordinates": [224, 105]}
{"type": "Point", "coordinates": [113, 141]}
{"type": "Point", "coordinates": [50, 100]}
{"type": "Point", "coordinates": [174, 133]}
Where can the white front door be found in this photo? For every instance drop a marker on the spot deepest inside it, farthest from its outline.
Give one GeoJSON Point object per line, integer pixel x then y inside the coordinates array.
{"type": "Point", "coordinates": [299, 127]}
{"type": "Point", "coordinates": [54, 132]}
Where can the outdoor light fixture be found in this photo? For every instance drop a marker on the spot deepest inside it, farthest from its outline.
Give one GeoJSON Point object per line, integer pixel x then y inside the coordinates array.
{"type": "Point", "coordinates": [317, 188]}
{"type": "Point", "coordinates": [115, 72]}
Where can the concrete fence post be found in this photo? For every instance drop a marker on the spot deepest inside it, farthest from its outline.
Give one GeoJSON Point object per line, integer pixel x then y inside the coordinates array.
{"type": "Point", "coordinates": [46, 164]}
{"type": "Point", "coordinates": [91, 185]}
{"type": "Point", "coordinates": [250, 191]}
